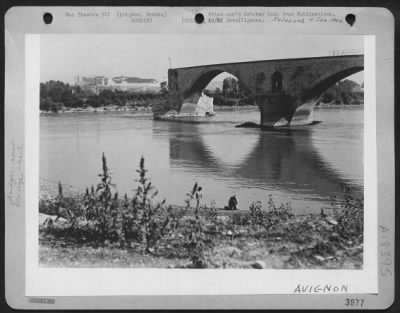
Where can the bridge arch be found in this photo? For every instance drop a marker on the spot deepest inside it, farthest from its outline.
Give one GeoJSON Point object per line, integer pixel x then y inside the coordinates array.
{"type": "Point", "coordinates": [205, 77]}
{"type": "Point", "coordinates": [329, 80]}
{"type": "Point", "coordinates": [304, 112]}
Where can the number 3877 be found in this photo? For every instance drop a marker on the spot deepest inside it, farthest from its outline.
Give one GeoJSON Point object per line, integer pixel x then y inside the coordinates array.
{"type": "Point", "coordinates": [354, 302]}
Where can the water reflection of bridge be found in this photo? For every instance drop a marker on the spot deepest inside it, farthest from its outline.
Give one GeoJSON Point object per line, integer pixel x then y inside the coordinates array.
{"type": "Point", "coordinates": [277, 160]}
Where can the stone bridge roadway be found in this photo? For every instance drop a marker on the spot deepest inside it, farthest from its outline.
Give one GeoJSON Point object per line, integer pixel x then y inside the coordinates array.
{"type": "Point", "coordinates": [285, 91]}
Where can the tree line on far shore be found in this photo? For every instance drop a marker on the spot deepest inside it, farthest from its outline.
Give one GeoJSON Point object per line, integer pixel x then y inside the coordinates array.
{"type": "Point", "coordinates": [234, 93]}
{"type": "Point", "coordinates": [56, 95]}
{"type": "Point", "coordinates": [344, 92]}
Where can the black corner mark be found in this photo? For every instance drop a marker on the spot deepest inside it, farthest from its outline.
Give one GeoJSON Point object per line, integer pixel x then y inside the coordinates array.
{"type": "Point", "coordinates": [47, 18]}
{"type": "Point", "coordinates": [199, 18]}
{"type": "Point", "coordinates": [350, 19]}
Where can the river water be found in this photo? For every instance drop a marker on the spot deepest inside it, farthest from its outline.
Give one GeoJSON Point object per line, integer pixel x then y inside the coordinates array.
{"type": "Point", "coordinates": [305, 166]}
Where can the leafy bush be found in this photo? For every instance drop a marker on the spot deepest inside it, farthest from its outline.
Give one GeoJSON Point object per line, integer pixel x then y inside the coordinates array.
{"type": "Point", "coordinates": [102, 217]}
{"type": "Point", "coordinates": [349, 215]}
{"type": "Point", "coordinates": [273, 216]}
{"type": "Point", "coordinates": [340, 229]}
{"type": "Point", "coordinates": [196, 240]}
{"type": "Point", "coordinates": [149, 216]}
{"type": "Point", "coordinates": [211, 213]}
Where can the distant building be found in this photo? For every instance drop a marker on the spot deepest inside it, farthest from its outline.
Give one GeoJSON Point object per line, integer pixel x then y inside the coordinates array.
{"type": "Point", "coordinates": [97, 83]}
{"type": "Point", "coordinates": [345, 52]}
{"type": "Point", "coordinates": [101, 80]}
{"type": "Point", "coordinates": [77, 80]}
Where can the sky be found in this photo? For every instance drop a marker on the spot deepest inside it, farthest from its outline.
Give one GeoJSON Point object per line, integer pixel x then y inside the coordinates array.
{"type": "Point", "coordinates": [149, 56]}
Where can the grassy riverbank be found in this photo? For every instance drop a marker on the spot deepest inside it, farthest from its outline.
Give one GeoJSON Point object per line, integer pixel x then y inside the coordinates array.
{"type": "Point", "coordinates": [98, 228]}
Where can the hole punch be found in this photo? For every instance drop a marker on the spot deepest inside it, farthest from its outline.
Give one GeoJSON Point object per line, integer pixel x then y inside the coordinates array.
{"type": "Point", "coordinates": [199, 18]}
{"type": "Point", "coordinates": [350, 19]}
{"type": "Point", "coordinates": [47, 18]}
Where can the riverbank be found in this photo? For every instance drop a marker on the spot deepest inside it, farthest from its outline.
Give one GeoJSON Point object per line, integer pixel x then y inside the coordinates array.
{"type": "Point", "coordinates": [235, 108]}
{"type": "Point", "coordinates": [115, 108]}
{"type": "Point", "coordinates": [339, 106]}
{"type": "Point", "coordinates": [92, 233]}
{"type": "Point", "coordinates": [122, 109]}
{"type": "Point", "coordinates": [106, 109]}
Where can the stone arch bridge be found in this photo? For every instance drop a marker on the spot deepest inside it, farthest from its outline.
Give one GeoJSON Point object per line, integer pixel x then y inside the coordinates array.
{"type": "Point", "coordinates": [285, 91]}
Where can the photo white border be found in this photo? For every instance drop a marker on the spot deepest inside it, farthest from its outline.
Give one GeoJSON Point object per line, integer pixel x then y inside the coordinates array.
{"type": "Point", "coordinates": [133, 281]}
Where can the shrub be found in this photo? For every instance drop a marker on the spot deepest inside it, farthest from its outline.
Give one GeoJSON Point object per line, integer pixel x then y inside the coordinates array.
{"type": "Point", "coordinates": [149, 216]}
{"type": "Point", "coordinates": [211, 214]}
{"type": "Point", "coordinates": [105, 204]}
{"type": "Point", "coordinates": [256, 213]}
{"type": "Point", "coordinates": [337, 230]}
{"type": "Point", "coordinates": [349, 215]}
{"type": "Point", "coordinates": [196, 243]}
{"type": "Point", "coordinates": [273, 216]}
{"type": "Point", "coordinates": [196, 240]}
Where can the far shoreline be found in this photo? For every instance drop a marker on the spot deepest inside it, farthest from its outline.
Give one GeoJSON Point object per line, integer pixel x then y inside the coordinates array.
{"type": "Point", "coordinates": [124, 109]}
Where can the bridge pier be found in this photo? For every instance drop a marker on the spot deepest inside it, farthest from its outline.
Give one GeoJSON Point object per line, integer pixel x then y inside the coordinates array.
{"type": "Point", "coordinates": [304, 114]}
{"type": "Point", "coordinates": [279, 109]}
{"type": "Point", "coordinates": [275, 109]}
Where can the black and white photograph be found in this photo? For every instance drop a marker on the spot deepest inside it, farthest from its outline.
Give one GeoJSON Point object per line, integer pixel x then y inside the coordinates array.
{"type": "Point", "coordinates": [201, 151]}
{"type": "Point", "coordinates": [199, 157]}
